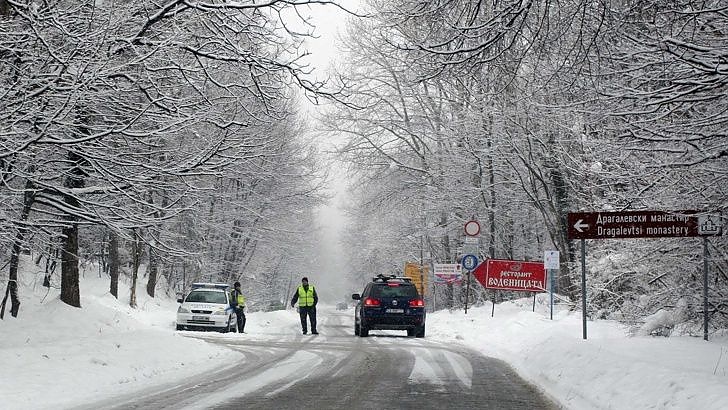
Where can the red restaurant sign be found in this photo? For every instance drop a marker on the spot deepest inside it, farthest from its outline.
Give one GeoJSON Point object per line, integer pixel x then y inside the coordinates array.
{"type": "Point", "coordinates": [511, 275]}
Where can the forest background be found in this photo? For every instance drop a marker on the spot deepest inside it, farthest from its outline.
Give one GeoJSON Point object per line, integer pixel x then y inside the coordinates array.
{"type": "Point", "coordinates": [166, 138]}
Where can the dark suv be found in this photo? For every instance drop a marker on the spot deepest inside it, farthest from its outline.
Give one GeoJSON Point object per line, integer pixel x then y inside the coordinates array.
{"type": "Point", "coordinates": [391, 303]}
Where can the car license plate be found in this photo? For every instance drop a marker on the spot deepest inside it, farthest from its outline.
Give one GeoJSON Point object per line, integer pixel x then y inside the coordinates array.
{"type": "Point", "coordinates": [199, 317]}
{"type": "Point", "coordinates": [395, 310]}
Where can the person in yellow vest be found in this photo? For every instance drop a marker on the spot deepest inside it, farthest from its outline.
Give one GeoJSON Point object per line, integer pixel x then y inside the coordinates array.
{"type": "Point", "coordinates": [307, 299]}
{"type": "Point", "coordinates": [237, 301]}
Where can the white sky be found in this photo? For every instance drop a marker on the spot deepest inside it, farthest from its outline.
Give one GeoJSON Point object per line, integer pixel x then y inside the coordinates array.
{"type": "Point", "coordinates": [56, 356]}
{"type": "Point", "coordinates": [328, 22]}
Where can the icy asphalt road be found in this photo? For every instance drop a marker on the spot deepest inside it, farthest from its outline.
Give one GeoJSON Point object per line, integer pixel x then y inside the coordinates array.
{"type": "Point", "coordinates": [336, 370]}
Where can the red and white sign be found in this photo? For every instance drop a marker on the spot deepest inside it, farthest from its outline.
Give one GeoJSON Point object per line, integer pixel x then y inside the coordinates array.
{"type": "Point", "coordinates": [447, 273]}
{"type": "Point", "coordinates": [472, 228]}
{"type": "Point", "coordinates": [511, 275]}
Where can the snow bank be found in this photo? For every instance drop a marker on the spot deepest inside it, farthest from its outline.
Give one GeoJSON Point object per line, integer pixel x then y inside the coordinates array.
{"type": "Point", "coordinates": [55, 355]}
{"type": "Point", "coordinates": [609, 370]}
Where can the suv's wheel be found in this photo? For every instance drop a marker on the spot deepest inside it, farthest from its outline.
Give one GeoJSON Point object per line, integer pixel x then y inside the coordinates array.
{"type": "Point", "coordinates": [420, 331]}
{"type": "Point", "coordinates": [356, 330]}
{"type": "Point", "coordinates": [363, 331]}
{"type": "Point", "coordinates": [410, 332]}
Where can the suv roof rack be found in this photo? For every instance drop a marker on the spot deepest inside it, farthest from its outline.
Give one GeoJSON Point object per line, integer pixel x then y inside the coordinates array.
{"type": "Point", "coordinates": [198, 285]}
{"type": "Point", "coordinates": [386, 278]}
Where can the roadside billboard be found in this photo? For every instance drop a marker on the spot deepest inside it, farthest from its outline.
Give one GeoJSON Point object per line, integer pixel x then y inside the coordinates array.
{"type": "Point", "coordinates": [519, 276]}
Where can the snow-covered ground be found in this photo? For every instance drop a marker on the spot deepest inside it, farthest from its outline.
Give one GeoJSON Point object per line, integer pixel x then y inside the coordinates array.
{"type": "Point", "coordinates": [56, 356]}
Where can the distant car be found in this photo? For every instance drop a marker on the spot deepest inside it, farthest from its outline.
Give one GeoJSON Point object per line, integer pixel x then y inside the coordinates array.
{"type": "Point", "coordinates": [206, 307]}
{"type": "Point", "coordinates": [342, 306]}
{"type": "Point", "coordinates": [389, 303]}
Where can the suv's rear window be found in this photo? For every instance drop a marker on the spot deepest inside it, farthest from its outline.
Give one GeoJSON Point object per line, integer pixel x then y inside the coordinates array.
{"type": "Point", "coordinates": [207, 296]}
{"type": "Point", "coordinates": [401, 291]}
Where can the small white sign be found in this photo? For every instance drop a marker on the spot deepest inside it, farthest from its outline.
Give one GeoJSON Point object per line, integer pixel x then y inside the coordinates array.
{"type": "Point", "coordinates": [551, 259]}
{"type": "Point", "coordinates": [446, 268]}
{"type": "Point", "coordinates": [471, 239]}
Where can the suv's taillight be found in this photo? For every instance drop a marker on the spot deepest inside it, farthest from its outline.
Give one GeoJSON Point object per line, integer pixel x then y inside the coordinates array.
{"type": "Point", "coordinates": [372, 302]}
{"type": "Point", "coordinates": [417, 303]}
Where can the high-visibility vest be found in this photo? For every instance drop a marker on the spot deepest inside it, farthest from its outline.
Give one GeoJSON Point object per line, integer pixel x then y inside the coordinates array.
{"type": "Point", "coordinates": [305, 298]}
{"type": "Point", "coordinates": [240, 298]}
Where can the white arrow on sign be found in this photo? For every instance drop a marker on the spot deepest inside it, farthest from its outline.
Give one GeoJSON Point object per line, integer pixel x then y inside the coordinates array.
{"type": "Point", "coordinates": [579, 225]}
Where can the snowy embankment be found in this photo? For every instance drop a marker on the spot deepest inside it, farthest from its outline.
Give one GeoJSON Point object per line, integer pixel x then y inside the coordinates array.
{"type": "Point", "coordinates": [609, 370]}
{"type": "Point", "coordinates": [56, 356]}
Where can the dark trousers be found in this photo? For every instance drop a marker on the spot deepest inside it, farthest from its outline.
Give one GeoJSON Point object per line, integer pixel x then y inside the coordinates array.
{"type": "Point", "coordinates": [311, 312]}
{"type": "Point", "coordinates": [240, 316]}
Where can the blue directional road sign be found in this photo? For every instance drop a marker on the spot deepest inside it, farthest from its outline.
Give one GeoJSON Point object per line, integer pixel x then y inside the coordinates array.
{"type": "Point", "coordinates": [469, 262]}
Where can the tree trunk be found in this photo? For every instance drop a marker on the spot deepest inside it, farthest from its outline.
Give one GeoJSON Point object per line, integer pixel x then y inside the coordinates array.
{"type": "Point", "coordinates": [561, 201]}
{"type": "Point", "coordinates": [155, 235]}
{"type": "Point", "coordinates": [153, 271]}
{"type": "Point", "coordinates": [493, 200]}
{"type": "Point", "coordinates": [70, 292]}
{"type": "Point", "coordinates": [12, 289]}
{"type": "Point", "coordinates": [50, 265]}
{"type": "Point", "coordinates": [136, 250]}
{"type": "Point", "coordinates": [132, 289]}
{"type": "Point", "coordinates": [114, 264]}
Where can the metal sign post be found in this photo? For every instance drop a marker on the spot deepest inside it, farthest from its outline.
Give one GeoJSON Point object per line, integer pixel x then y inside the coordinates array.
{"type": "Point", "coordinates": [551, 264]}
{"type": "Point", "coordinates": [551, 294]}
{"type": "Point", "coordinates": [469, 262]}
{"type": "Point", "coordinates": [467, 293]}
{"type": "Point", "coordinates": [492, 311]}
{"type": "Point", "coordinates": [583, 288]}
{"type": "Point", "coordinates": [705, 288]}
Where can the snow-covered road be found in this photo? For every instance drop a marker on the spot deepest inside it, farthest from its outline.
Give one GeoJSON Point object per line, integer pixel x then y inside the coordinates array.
{"type": "Point", "coordinates": [336, 370]}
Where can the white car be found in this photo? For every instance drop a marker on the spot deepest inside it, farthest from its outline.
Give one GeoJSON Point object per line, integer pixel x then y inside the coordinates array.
{"type": "Point", "coordinates": [206, 307]}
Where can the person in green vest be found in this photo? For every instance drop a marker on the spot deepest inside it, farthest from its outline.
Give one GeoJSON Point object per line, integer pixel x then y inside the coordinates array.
{"type": "Point", "coordinates": [307, 299]}
{"type": "Point", "coordinates": [237, 301]}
